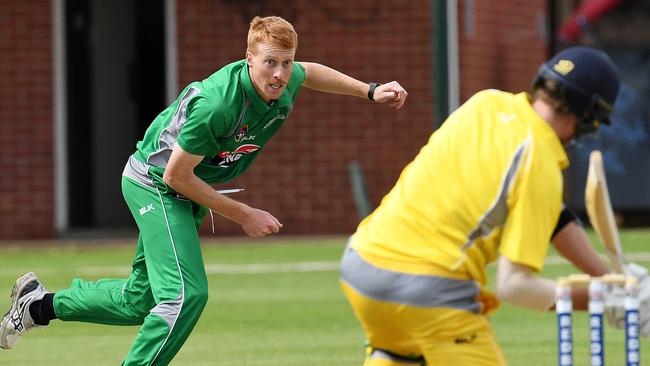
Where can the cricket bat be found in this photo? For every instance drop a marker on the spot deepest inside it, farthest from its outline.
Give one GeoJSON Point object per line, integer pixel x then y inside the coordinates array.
{"type": "Point", "coordinates": [599, 210]}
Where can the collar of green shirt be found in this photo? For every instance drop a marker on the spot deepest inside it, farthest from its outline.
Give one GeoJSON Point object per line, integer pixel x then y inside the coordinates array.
{"type": "Point", "coordinates": [257, 102]}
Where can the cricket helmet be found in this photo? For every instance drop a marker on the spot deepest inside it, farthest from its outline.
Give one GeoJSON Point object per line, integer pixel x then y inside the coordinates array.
{"type": "Point", "coordinates": [588, 81]}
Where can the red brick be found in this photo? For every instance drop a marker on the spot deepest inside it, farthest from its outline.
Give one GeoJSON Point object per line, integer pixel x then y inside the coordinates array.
{"type": "Point", "coordinates": [302, 177]}
{"type": "Point", "coordinates": [25, 99]}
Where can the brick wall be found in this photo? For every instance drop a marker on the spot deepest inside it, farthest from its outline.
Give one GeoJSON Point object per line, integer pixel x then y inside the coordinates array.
{"type": "Point", "coordinates": [26, 126]}
{"type": "Point", "coordinates": [302, 176]}
{"type": "Point", "coordinates": [502, 43]}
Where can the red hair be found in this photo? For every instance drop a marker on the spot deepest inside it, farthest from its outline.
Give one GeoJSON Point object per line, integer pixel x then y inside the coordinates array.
{"type": "Point", "coordinates": [273, 30]}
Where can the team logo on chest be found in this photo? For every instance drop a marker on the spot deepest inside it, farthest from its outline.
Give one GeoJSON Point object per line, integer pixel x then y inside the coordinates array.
{"type": "Point", "coordinates": [227, 158]}
{"type": "Point", "coordinates": [241, 135]}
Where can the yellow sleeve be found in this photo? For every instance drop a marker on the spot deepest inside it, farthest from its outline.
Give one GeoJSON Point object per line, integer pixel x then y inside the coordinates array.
{"type": "Point", "coordinates": [533, 209]}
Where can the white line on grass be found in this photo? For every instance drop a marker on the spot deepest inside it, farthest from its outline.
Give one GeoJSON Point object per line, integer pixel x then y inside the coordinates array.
{"type": "Point", "coordinates": [255, 268]}
{"type": "Point", "coordinates": [264, 268]}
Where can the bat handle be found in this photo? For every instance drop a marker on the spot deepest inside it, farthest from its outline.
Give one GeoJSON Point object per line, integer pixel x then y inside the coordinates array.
{"type": "Point", "coordinates": [618, 265]}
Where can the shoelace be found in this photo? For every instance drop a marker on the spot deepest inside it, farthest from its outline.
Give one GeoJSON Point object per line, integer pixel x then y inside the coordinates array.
{"type": "Point", "coordinates": [16, 319]}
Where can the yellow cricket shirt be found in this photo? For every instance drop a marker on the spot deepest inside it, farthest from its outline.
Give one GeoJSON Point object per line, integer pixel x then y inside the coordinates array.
{"type": "Point", "coordinates": [488, 182]}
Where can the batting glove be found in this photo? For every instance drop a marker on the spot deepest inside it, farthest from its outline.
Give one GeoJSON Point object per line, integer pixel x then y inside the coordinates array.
{"type": "Point", "coordinates": [615, 300]}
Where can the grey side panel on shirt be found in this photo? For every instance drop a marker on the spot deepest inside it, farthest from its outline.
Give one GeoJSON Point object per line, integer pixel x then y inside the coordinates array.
{"type": "Point", "coordinates": [138, 171]}
{"type": "Point", "coordinates": [169, 135]}
{"type": "Point", "coordinates": [408, 289]}
{"type": "Point", "coordinates": [498, 212]}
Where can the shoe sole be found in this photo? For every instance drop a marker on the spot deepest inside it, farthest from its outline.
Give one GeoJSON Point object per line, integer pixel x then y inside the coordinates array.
{"type": "Point", "coordinates": [5, 327]}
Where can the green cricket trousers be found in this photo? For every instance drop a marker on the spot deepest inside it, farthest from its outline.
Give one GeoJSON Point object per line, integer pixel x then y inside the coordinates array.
{"type": "Point", "coordinates": [167, 288]}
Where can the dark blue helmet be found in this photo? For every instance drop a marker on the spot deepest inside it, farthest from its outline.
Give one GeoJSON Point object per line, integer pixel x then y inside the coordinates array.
{"type": "Point", "coordinates": [588, 81]}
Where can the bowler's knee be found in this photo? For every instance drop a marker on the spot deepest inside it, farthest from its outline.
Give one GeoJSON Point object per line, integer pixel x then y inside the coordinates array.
{"type": "Point", "coordinates": [196, 298]}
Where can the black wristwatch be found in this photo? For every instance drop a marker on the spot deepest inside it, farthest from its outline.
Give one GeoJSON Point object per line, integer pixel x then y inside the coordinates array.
{"type": "Point", "coordinates": [371, 91]}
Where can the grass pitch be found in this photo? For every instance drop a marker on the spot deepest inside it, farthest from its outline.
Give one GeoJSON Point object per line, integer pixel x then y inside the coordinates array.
{"type": "Point", "coordinates": [272, 302]}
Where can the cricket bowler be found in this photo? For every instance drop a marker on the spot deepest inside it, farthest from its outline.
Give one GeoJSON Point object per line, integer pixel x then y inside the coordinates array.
{"type": "Point", "coordinates": [210, 134]}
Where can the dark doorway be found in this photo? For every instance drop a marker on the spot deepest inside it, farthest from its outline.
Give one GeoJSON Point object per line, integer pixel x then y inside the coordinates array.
{"type": "Point", "coordinates": [115, 60]}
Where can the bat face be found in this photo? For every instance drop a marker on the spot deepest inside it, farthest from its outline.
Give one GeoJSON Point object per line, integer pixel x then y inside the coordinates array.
{"type": "Point", "coordinates": [599, 210]}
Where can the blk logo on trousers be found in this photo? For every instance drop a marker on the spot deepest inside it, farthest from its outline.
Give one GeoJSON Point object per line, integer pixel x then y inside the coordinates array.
{"type": "Point", "coordinates": [146, 209]}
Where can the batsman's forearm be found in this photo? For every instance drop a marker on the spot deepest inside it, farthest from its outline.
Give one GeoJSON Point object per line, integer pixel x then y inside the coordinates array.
{"type": "Point", "coordinates": [517, 285]}
{"type": "Point", "coordinates": [580, 298]}
{"type": "Point", "coordinates": [574, 245]}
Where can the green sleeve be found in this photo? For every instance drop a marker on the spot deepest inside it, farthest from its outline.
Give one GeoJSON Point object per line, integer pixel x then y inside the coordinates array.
{"type": "Point", "coordinates": [205, 122]}
{"type": "Point", "coordinates": [298, 76]}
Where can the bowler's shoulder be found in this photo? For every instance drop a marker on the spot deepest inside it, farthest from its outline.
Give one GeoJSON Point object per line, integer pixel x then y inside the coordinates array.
{"type": "Point", "coordinates": [298, 75]}
{"type": "Point", "coordinates": [228, 74]}
{"type": "Point", "coordinates": [233, 67]}
{"type": "Point", "coordinates": [224, 87]}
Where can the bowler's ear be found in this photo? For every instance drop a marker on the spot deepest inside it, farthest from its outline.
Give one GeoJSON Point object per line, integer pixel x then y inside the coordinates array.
{"type": "Point", "coordinates": [249, 58]}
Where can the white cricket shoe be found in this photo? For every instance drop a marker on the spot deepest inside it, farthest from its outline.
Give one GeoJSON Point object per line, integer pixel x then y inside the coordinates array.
{"type": "Point", "coordinates": [18, 320]}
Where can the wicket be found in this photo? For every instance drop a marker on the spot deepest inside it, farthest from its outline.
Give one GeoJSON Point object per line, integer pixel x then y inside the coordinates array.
{"type": "Point", "coordinates": [564, 309]}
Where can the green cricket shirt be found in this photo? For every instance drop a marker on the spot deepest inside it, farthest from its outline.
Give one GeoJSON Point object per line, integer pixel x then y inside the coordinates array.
{"type": "Point", "coordinates": [221, 118]}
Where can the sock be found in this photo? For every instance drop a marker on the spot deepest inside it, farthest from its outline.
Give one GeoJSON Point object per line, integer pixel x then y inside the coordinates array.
{"type": "Point", "coordinates": [42, 311]}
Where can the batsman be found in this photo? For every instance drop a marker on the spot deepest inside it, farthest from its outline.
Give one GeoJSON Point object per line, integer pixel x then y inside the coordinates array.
{"type": "Point", "coordinates": [487, 187]}
{"type": "Point", "coordinates": [210, 134]}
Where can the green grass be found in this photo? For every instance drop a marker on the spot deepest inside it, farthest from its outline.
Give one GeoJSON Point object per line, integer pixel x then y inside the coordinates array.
{"type": "Point", "coordinates": [285, 318]}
